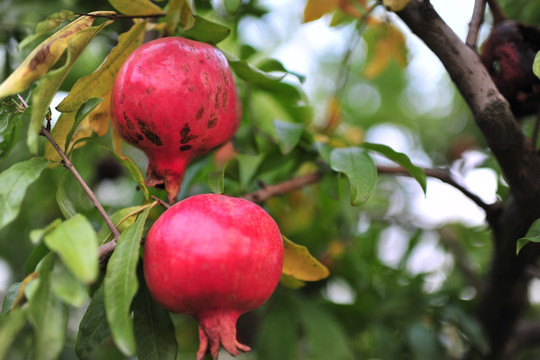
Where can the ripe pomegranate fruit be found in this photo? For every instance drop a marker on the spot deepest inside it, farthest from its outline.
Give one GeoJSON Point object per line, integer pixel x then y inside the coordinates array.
{"type": "Point", "coordinates": [174, 99]}
{"type": "Point", "coordinates": [508, 55]}
{"type": "Point", "coordinates": [213, 257]}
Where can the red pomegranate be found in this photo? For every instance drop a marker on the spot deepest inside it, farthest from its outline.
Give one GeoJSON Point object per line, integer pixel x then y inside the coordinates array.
{"type": "Point", "coordinates": [213, 257]}
{"type": "Point", "coordinates": [174, 99]}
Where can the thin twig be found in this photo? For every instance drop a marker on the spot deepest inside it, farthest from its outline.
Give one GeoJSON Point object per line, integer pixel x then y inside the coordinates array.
{"type": "Point", "coordinates": [121, 16]}
{"type": "Point", "coordinates": [476, 21]}
{"type": "Point", "coordinates": [69, 165]}
{"type": "Point", "coordinates": [444, 176]}
{"type": "Point", "coordinates": [161, 202]}
{"type": "Point", "coordinates": [496, 11]}
{"type": "Point", "coordinates": [269, 191]}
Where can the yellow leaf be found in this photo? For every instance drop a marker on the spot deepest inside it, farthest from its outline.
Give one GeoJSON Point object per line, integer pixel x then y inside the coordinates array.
{"type": "Point", "coordinates": [389, 45]}
{"type": "Point", "coordinates": [100, 82]}
{"type": "Point", "coordinates": [99, 117]}
{"type": "Point", "coordinates": [45, 55]}
{"type": "Point", "coordinates": [117, 143]}
{"type": "Point", "coordinates": [136, 7]}
{"type": "Point", "coordinates": [316, 8]}
{"type": "Point", "coordinates": [49, 84]}
{"type": "Point", "coordinates": [179, 11]}
{"type": "Point", "coordinates": [300, 264]}
{"type": "Point", "coordinates": [396, 5]}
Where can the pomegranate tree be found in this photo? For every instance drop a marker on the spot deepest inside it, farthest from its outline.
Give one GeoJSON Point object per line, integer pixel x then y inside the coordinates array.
{"type": "Point", "coordinates": [213, 257]}
{"type": "Point", "coordinates": [174, 99]}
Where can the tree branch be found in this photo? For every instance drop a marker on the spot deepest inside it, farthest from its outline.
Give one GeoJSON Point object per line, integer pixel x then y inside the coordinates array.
{"type": "Point", "coordinates": [69, 165]}
{"type": "Point", "coordinates": [504, 296]}
{"type": "Point", "coordinates": [122, 16]}
{"type": "Point", "coordinates": [490, 109]}
{"type": "Point", "coordinates": [476, 21]}
{"type": "Point", "coordinates": [527, 336]}
{"type": "Point", "coordinates": [446, 177]}
{"type": "Point", "coordinates": [267, 192]}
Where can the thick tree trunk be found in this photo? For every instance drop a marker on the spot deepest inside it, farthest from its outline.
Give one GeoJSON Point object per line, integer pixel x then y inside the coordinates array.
{"type": "Point", "coordinates": [504, 297]}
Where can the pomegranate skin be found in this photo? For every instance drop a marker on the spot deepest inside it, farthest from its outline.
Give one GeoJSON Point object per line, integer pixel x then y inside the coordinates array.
{"type": "Point", "coordinates": [213, 257]}
{"type": "Point", "coordinates": [174, 99]}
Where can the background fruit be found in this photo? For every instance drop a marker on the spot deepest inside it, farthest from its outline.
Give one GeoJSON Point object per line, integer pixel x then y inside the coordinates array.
{"type": "Point", "coordinates": [213, 257]}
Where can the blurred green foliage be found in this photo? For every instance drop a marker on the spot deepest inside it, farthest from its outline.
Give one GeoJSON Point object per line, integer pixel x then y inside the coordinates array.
{"type": "Point", "coordinates": [370, 307]}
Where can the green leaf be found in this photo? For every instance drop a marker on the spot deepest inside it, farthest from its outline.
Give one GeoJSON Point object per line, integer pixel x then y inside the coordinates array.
{"type": "Point", "coordinates": [9, 297]}
{"type": "Point", "coordinates": [48, 25]}
{"type": "Point", "coordinates": [536, 65]}
{"type": "Point", "coordinates": [324, 149]}
{"type": "Point", "coordinates": [291, 282]}
{"type": "Point", "coordinates": [216, 181]}
{"type": "Point", "coordinates": [49, 84]}
{"type": "Point", "coordinates": [15, 180]}
{"type": "Point", "coordinates": [278, 336]}
{"type": "Point", "coordinates": [122, 215]}
{"type": "Point", "coordinates": [324, 336]}
{"type": "Point", "coordinates": [300, 264]}
{"type": "Point", "coordinates": [37, 235]}
{"type": "Point", "coordinates": [423, 342]}
{"type": "Point", "coordinates": [75, 242]}
{"type": "Point", "coordinates": [67, 287]}
{"type": "Point", "coordinates": [126, 162]}
{"type": "Point", "coordinates": [10, 324]}
{"type": "Point", "coordinates": [136, 7]}
{"type": "Point", "coordinates": [359, 168]}
{"type": "Point", "coordinates": [65, 205]}
{"type": "Point", "coordinates": [231, 6]}
{"type": "Point", "coordinates": [121, 285]}
{"type": "Point", "coordinates": [83, 111]}
{"type": "Point", "coordinates": [48, 315]}
{"type": "Point", "coordinates": [53, 21]}
{"type": "Point", "coordinates": [533, 235]}
{"type": "Point", "coordinates": [134, 171]}
{"type": "Point", "coordinates": [35, 257]}
{"type": "Point", "coordinates": [288, 135]}
{"type": "Point", "coordinates": [179, 11]}
{"type": "Point", "coordinates": [154, 330]}
{"type": "Point", "coordinates": [10, 115]}
{"type": "Point", "coordinates": [247, 167]}
{"type": "Point", "coordinates": [401, 159]}
{"type": "Point", "coordinates": [206, 31]}
{"type": "Point", "coordinates": [93, 329]}
{"type": "Point", "coordinates": [100, 82]}
{"type": "Point", "coordinates": [469, 326]}
{"type": "Point", "coordinates": [269, 65]}
{"type": "Point", "coordinates": [250, 73]}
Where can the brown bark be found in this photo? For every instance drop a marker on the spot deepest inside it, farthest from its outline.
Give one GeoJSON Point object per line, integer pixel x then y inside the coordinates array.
{"type": "Point", "coordinates": [504, 297]}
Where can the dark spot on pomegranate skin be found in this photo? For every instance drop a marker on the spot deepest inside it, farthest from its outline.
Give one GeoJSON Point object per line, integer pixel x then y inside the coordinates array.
{"type": "Point", "coordinates": [216, 100]}
{"type": "Point", "coordinates": [185, 136]}
{"type": "Point", "coordinates": [225, 98]}
{"type": "Point", "coordinates": [185, 147]}
{"type": "Point", "coordinates": [128, 122]}
{"type": "Point", "coordinates": [132, 139]}
{"type": "Point", "coordinates": [153, 137]}
{"type": "Point", "coordinates": [199, 113]}
{"type": "Point", "coordinates": [212, 122]}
